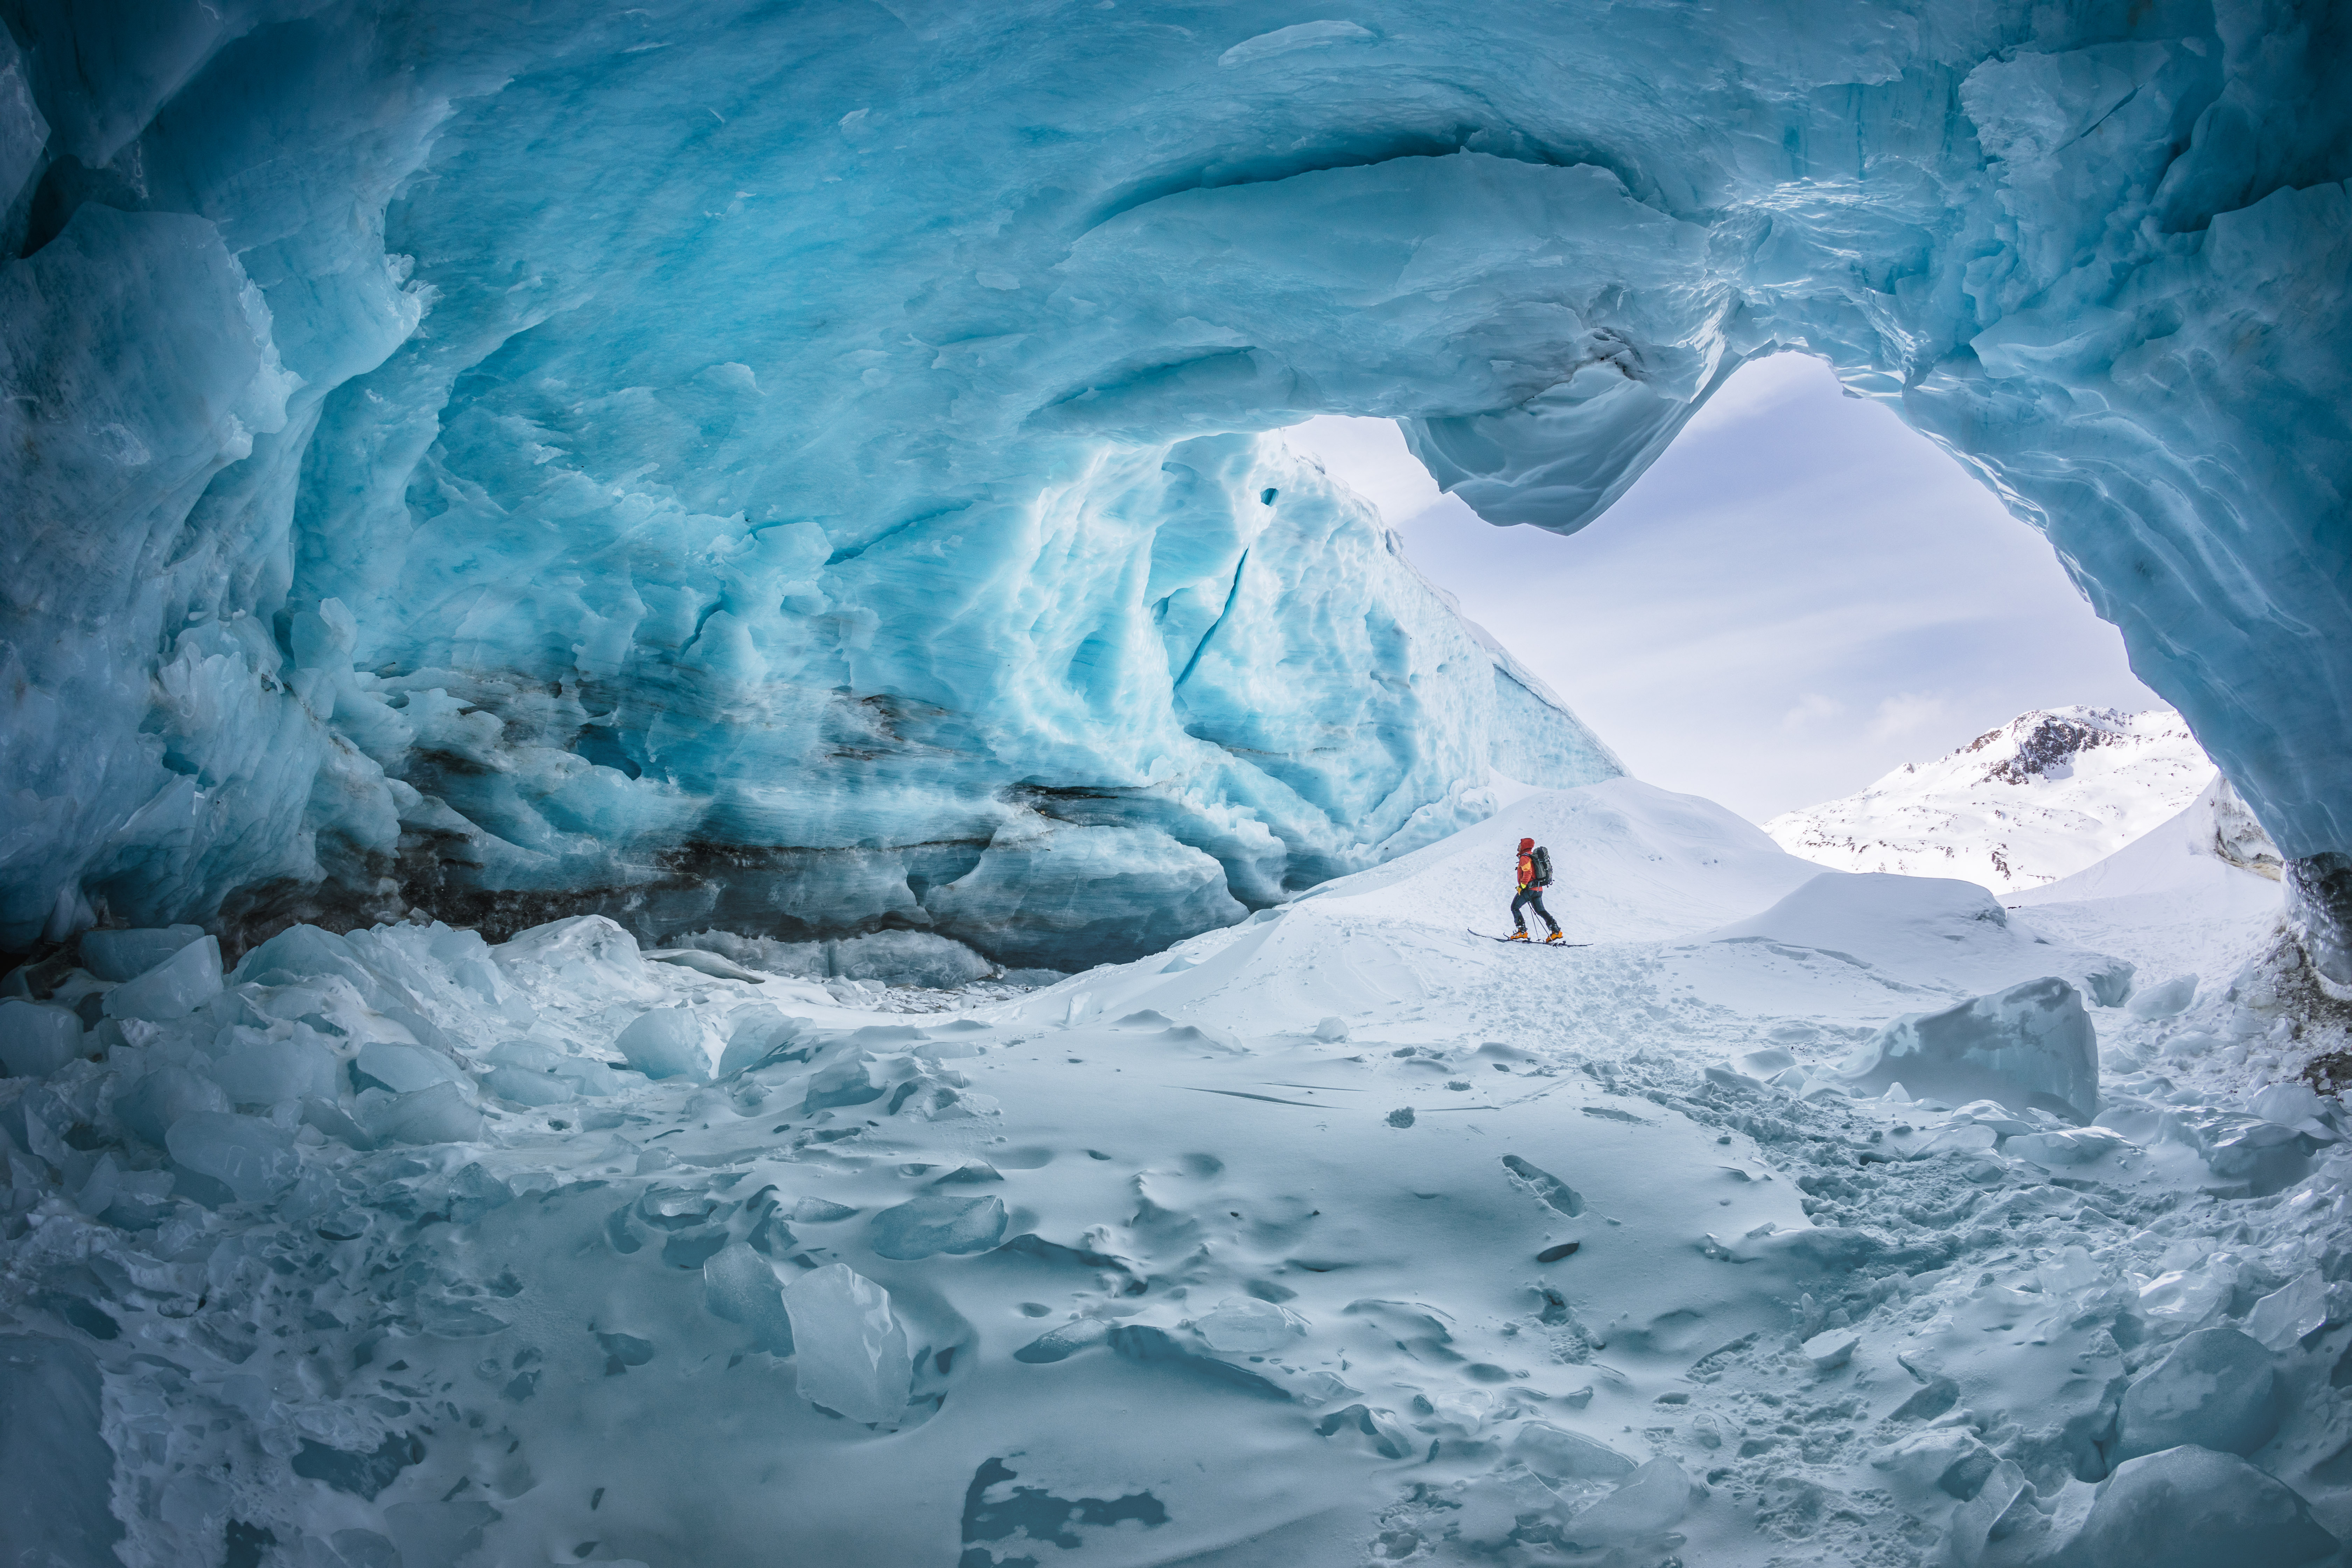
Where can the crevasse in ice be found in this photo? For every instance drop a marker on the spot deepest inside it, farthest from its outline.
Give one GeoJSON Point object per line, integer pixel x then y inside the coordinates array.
{"type": "Point", "coordinates": [793, 470]}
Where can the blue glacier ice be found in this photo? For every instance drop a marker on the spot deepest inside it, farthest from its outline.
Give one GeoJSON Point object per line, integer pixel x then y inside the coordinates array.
{"type": "Point", "coordinates": [807, 473]}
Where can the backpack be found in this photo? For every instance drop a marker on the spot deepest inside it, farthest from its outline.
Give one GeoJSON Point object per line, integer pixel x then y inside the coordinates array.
{"type": "Point", "coordinates": [1543, 866]}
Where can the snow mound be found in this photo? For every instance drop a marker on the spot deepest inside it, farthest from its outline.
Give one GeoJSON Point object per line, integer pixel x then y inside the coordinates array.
{"type": "Point", "coordinates": [1630, 862]}
{"type": "Point", "coordinates": [2210, 851]}
{"type": "Point", "coordinates": [1928, 929]}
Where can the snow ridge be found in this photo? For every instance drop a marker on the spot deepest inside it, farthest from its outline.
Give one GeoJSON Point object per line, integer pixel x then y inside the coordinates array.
{"type": "Point", "coordinates": [2044, 795]}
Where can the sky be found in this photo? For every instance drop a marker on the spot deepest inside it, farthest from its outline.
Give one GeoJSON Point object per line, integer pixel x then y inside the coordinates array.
{"type": "Point", "coordinates": [1799, 596]}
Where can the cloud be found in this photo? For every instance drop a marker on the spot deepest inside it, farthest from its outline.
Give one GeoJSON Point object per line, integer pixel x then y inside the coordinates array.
{"type": "Point", "coordinates": [1811, 709]}
{"type": "Point", "coordinates": [1906, 713]}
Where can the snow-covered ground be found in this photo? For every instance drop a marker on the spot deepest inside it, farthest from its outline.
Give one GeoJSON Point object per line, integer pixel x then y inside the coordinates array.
{"type": "Point", "coordinates": [2045, 795]}
{"type": "Point", "coordinates": [1343, 1235]}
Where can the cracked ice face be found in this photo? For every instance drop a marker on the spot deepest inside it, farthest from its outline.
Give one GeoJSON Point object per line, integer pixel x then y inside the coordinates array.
{"type": "Point", "coordinates": [797, 473]}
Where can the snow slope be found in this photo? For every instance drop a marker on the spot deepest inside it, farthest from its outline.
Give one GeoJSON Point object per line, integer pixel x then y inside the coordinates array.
{"type": "Point", "coordinates": [1339, 1236]}
{"type": "Point", "coordinates": [2044, 795]}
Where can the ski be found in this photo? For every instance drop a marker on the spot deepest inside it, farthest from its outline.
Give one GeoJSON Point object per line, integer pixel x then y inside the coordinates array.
{"type": "Point", "coordinates": [1514, 942]}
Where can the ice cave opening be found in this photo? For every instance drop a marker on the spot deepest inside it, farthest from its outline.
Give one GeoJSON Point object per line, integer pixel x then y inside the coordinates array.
{"type": "Point", "coordinates": [1801, 593]}
{"type": "Point", "coordinates": [545, 546]}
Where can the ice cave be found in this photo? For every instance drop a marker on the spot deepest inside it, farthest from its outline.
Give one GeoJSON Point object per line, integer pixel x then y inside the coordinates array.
{"type": "Point", "coordinates": [561, 562]}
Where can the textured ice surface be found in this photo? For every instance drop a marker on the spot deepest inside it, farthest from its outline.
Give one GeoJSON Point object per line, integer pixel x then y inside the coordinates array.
{"type": "Point", "coordinates": [794, 472]}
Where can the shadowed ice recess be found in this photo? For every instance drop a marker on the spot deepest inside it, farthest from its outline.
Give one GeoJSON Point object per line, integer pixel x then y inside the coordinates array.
{"type": "Point", "coordinates": [782, 473]}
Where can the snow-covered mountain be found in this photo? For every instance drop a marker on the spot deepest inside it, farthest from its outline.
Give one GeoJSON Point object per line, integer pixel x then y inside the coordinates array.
{"type": "Point", "coordinates": [2046, 795]}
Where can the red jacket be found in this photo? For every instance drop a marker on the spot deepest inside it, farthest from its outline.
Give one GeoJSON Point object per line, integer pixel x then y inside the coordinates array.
{"type": "Point", "coordinates": [1527, 871]}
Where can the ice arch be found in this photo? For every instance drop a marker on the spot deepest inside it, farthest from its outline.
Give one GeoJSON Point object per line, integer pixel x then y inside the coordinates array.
{"type": "Point", "coordinates": [780, 465]}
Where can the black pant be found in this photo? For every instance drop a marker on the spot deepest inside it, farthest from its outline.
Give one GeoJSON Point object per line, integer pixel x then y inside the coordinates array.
{"type": "Point", "coordinates": [1531, 896]}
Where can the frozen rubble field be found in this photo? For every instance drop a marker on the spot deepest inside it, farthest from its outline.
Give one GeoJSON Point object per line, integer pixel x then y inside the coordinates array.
{"type": "Point", "coordinates": [1344, 1235]}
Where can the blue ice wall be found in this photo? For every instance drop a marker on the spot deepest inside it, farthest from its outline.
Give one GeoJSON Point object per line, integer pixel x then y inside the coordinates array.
{"type": "Point", "coordinates": [795, 469]}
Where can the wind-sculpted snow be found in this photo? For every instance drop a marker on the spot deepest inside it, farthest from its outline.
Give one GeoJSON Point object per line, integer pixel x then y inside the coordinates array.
{"type": "Point", "coordinates": [1341, 1237]}
{"type": "Point", "coordinates": [776, 470]}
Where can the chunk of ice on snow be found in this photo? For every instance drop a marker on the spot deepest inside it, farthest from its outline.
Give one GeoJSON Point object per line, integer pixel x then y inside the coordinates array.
{"type": "Point", "coordinates": [1993, 1114]}
{"type": "Point", "coordinates": [1833, 1349]}
{"type": "Point", "coordinates": [850, 1347]}
{"type": "Point", "coordinates": [119, 955]}
{"type": "Point", "coordinates": [2184, 1298]}
{"type": "Point", "coordinates": [162, 1097]}
{"type": "Point", "coordinates": [739, 1286]}
{"type": "Point", "coordinates": [2289, 1312]}
{"type": "Point", "coordinates": [2192, 1508]}
{"type": "Point", "coordinates": [755, 1034]}
{"type": "Point", "coordinates": [1654, 1500]}
{"type": "Point", "coordinates": [2286, 1103]}
{"type": "Point", "coordinates": [2215, 1389]}
{"type": "Point", "coordinates": [1060, 1344]}
{"type": "Point", "coordinates": [2029, 1045]}
{"type": "Point", "coordinates": [251, 1157]}
{"type": "Point", "coordinates": [265, 1071]}
{"type": "Point", "coordinates": [1548, 1450]}
{"type": "Point", "coordinates": [2163, 999]}
{"type": "Point", "coordinates": [440, 1114]}
{"type": "Point", "coordinates": [2076, 1146]}
{"type": "Point", "coordinates": [1554, 1191]}
{"type": "Point", "coordinates": [1244, 1325]}
{"type": "Point", "coordinates": [36, 1038]}
{"type": "Point", "coordinates": [665, 1042]}
{"type": "Point", "coordinates": [709, 963]}
{"type": "Point", "coordinates": [926, 1227]}
{"type": "Point", "coordinates": [1968, 1138]}
{"type": "Point", "coordinates": [402, 1069]}
{"type": "Point", "coordinates": [1951, 1459]}
{"type": "Point", "coordinates": [524, 1087]}
{"type": "Point", "coordinates": [173, 989]}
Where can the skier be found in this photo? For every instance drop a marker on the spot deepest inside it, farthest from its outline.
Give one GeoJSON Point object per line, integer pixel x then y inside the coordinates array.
{"type": "Point", "coordinates": [1535, 875]}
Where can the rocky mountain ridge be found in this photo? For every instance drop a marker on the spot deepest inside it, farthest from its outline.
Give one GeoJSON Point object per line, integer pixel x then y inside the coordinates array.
{"type": "Point", "coordinates": [2042, 796]}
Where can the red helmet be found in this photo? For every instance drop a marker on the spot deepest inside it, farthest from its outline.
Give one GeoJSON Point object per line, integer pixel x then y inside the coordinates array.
{"type": "Point", "coordinates": [1526, 843]}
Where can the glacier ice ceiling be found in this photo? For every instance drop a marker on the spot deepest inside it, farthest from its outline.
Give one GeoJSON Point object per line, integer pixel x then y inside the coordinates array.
{"type": "Point", "coordinates": [794, 469]}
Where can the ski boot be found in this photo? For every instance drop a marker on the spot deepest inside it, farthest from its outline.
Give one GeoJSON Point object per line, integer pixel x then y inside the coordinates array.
{"type": "Point", "coordinates": [1556, 936]}
{"type": "Point", "coordinates": [1517, 936]}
